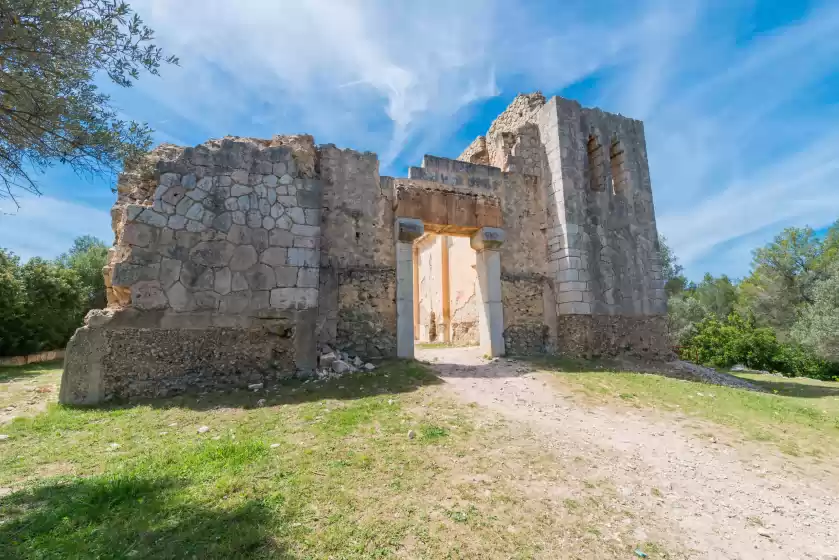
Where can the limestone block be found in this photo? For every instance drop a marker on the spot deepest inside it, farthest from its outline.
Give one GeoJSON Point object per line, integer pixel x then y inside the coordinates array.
{"type": "Point", "coordinates": [287, 201]}
{"type": "Point", "coordinates": [179, 297]}
{"type": "Point", "coordinates": [206, 300]}
{"type": "Point", "coordinates": [173, 195]}
{"type": "Point", "coordinates": [284, 222]}
{"type": "Point", "coordinates": [308, 278]}
{"type": "Point", "coordinates": [239, 282]}
{"type": "Point", "coordinates": [264, 207]}
{"type": "Point", "coordinates": [567, 263]}
{"type": "Point", "coordinates": [184, 205]}
{"type": "Point", "coordinates": [312, 217]}
{"type": "Point", "coordinates": [277, 210]}
{"type": "Point", "coordinates": [205, 280]}
{"type": "Point", "coordinates": [569, 296]}
{"type": "Point", "coordinates": [261, 299]}
{"type": "Point", "coordinates": [244, 202]}
{"type": "Point", "coordinates": [568, 275]}
{"type": "Point", "coordinates": [148, 295]}
{"type": "Point", "coordinates": [280, 169]}
{"type": "Point", "coordinates": [152, 218]}
{"type": "Point", "coordinates": [177, 222]}
{"type": "Point", "coordinates": [294, 298]}
{"type": "Point", "coordinates": [221, 281]}
{"type": "Point", "coordinates": [224, 181]}
{"type": "Point", "coordinates": [261, 277]}
{"type": "Point", "coordinates": [260, 190]}
{"type": "Point", "coordinates": [235, 302]}
{"type": "Point", "coordinates": [195, 212]}
{"type": "Point", "coordinates": [574, 308]}
{"type": "Point", "coordinates": [239, 217]}
{"type": "Point", "coordinates": [189, 181]}
{"type": "Point", "coordinates": [306, 231]}
{"type": "Point", "coordinates": [260, 239]}
{"type": "Point", "coordinates": [129, 274]}
{"type": "Point", "coordinates": [254, 219]}
{"type": "Point", "coordinates": [286, 179]}
{"type": "Point", "coordinates": [268, 223]}
{"type": "Point", "coordinates": [138, 235]}
{"type": "Point", "coordinates": [222, 222]}
{"type": "Point", "coordinates": [297, 215]}
{"type": "Point", "coordinates": [170, 271]}
{"type": "Point", "coordinates": [244, 257]}
{"type": "Point", "coordinates": [274, 256]}
{"type": "Point", "coordinates": [197, 194]}
{"type": "Point", "coordinates": [270, 181]}
{"type": "Point", "coordinates": [286, 276]}
{"type": "Point", "coordinates": [307, 242]}
{"type": "Point", "coordinates": [195, 227]}
{"type": "Point", "coordinates": [205, 184]}
{"type": "Point", "coordinates": [170, 179]}
{"type": "Point", "coordinates": [309, 199]}
{"type": "Point", "coordinates": [207, 218]}
{"type": "Point", "coordinates": [572, 286]}
{"type": "Point", "coordinates": [231, 203]}
{"type": "Point", "coordinates": [214, 253]}
{"type": "Point", "coordinates": [240, 176]}
{"type": "Point", "coordinates": [272, 196]}
{"type": "Point", "coordinates": [239, 235]}
{"type": "Point", "coordinates": [303, 257]}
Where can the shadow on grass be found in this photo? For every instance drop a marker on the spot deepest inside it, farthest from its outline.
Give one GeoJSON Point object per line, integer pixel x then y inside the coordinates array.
{"type": "Point", "coordinates": [779, 386]}
{"type": "Point", "coordinates": [13, 373]}
{"type": "Point", "coordinates": [126, 516]}
{"type": "Point", "coordinates": [391, 377]}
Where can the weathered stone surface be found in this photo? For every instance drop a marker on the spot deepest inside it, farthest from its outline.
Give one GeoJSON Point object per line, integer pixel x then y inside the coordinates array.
{"type": "Point", "coordinates": [234, 259]}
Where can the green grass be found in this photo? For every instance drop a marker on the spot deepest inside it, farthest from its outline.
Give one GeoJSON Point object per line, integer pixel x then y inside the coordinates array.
{"type": "Point", "coordinates": [799, 416]}
{"type": "Point", "coordinates": [324, 470]}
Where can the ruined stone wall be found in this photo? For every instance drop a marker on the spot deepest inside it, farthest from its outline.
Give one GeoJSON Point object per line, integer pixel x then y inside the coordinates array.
{"type": "Point", "coordinates": [476, 152]}
{"type": "Point", "coordinates": [357, 310]}
{"type": "Point", "coordinates": [207, 239]}
{"type": "Point", "coordinates": [463, 300]}
{"type": "Point", "coordinates": [429, 285]}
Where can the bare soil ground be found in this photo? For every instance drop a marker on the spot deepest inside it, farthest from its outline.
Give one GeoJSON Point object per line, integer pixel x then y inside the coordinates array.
{"type": "Point", "coordinates": [694, 495]}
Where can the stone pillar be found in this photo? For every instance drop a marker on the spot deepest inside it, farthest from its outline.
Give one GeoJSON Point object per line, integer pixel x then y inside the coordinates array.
{"type": "Point", "coordinates": [486, 242]}
{"type": "Point", "coordinates": [407, 231]}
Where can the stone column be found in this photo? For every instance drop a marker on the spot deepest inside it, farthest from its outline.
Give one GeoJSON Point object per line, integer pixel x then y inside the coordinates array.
{"type": "Point", "coordinates": [486, 242]}
{"type": "Point", "coordinates": [407, 231]}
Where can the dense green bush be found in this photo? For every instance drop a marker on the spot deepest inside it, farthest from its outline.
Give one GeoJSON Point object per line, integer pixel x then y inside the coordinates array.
{"type": "Point", "coordinates": [736, 340]}
{"type": "Point", "coordinates": [43, 302]}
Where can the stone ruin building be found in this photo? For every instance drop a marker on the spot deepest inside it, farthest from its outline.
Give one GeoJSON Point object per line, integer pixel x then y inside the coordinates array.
{"type": "Point", "coordinates": [237, 260]}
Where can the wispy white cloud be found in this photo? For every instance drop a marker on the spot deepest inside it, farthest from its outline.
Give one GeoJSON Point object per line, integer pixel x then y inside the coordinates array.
{"type": "Point", "coordinates": [46, 226]}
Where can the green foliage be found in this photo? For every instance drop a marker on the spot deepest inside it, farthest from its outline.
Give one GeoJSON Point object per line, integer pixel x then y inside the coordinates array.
{"type": "Point", "coordinates": [42, 303]}
{"type": "Point", "coordinates": [684, 312]}
{"type": "Point", "coordinates": [50, 110]}
{"type": "Point", "coordinates": [724, 343]}
{"type": "Point", "coordinates": [717, 295]}
{"type": "Point", "coordinates": [818, 325]}
{"type": "Point", "coordinates": [674, 281]}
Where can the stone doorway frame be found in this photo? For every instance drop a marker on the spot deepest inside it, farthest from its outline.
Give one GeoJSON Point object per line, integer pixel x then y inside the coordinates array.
{"type": "Point", "coordinates": [486, 242]}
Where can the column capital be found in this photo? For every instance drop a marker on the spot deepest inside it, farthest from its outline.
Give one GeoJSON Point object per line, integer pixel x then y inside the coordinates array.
{"type": "Point", "coordinates": [488, 239]}
{"type": "Point", "coordinates": [407, 230]}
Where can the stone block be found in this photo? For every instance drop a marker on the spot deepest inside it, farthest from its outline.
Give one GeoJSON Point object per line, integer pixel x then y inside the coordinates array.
{"type": "Point", "coordinates": [286, 276]}
{"type": "Point", "coordinates": [274, 256]}
{"type": "Point", "coordinates": [297, 229]}
{"type": "Point", "coordinates": [487, 238]}
{"type": "Point", "coordinates": [407, 230]}
{"type": "Point", "coordinates": [281, 238]}
{"type": "Point", "coordinates": [128, 274]}
{"type": "Point", "coordinates": [222, 281]}
{"type": "Point", "coordinates": [572, 286]}
{"type": "Point", "coordinates": [139, 235]}
{"type": "Point", "coordinates": [568, 296]}
{"type": "Point", "coordinates": [261, 277]}
{"type": "Point", "coordinates": [148, 295]}
{"type": "Point", "coordinates": [294, 298]}
{"type": "Point", "coordinates": [308, 199]}
{"type": "Point", "coordinates": [296, 214]}
{"type": "Point", "coordinates": [244, 257]}
{"type": "Point", "coordinates": [303, 257]}
{"type": "Point", "coordinates": [574, 308]}
{"type": "Point", "coordinates": [152, 218]}
{"type": "Point", "coordinates": [213, 253]}
{"type": "Point", "coordinates": [170, 272]}
{"type": "Point", "coordinates": [308, 277]}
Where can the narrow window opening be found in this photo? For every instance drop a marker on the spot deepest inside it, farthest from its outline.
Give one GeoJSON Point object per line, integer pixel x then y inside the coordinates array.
{"type": "Point", "coordinates": [617, 159]}
{"type": "Point", "coordinates": [597, 180]}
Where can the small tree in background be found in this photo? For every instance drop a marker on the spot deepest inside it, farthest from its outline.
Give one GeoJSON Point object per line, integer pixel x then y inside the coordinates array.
{"type": "Point", "coordinates": [50, 53]}
{"type": "Point", "coordinates": [86, 258]}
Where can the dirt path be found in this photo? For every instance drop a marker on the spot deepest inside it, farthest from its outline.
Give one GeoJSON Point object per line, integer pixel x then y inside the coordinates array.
{"type": "Point", "coordinates": [717, 501]}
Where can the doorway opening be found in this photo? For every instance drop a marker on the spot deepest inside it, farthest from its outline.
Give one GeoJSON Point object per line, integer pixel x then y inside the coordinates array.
{"type": "Point", "coordinates": [446, 291]}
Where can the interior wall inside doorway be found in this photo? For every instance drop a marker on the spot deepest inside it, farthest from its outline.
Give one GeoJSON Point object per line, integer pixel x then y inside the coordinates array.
{"type": "Point", "coordinates": [445, 307]}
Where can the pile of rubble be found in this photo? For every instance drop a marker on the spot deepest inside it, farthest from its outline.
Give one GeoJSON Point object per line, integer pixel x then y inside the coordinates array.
{"type": "Point", "coordinates": [334, 363]}
{"type": "Point", "coordinates": [710, 375]}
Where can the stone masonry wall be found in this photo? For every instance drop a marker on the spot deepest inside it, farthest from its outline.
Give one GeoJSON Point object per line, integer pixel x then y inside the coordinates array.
{"type": "Point", "coordinates": [357, 310]}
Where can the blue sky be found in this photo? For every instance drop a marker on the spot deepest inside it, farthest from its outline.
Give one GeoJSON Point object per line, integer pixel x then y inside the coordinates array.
{"type": "Point", "coordinates": [740, 98]}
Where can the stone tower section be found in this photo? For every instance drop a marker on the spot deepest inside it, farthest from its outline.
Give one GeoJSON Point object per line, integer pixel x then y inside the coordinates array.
{"type": "Point", "coordinates": [603, 248]}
